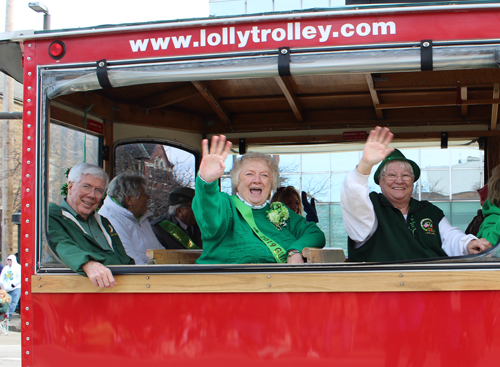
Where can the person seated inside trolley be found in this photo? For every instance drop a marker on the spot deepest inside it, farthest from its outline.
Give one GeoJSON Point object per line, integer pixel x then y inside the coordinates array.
{"type": "Point", "coordinates": [290, 197]}
{"type": "Point", "coordinates": [245, 228]}
{"type": "Point", "coordinates": [177, 229]}
{"type": "Point", "coordinates": [126, 207]}
{"type": "Point", "coordinates": [392, 226]}
{"type": "Point", "coordinates": [84, 240]}
{"type": "Point", "coordinates": [490, 228]}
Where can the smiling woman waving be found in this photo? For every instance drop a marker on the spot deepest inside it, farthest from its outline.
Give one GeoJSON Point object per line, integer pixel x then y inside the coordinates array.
{"type": "Point", "coordinates": [392, 226]}
{"type": "Point", "coordinates": [245, 228]}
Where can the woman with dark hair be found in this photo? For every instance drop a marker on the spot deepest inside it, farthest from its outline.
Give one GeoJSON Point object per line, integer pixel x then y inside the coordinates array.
{"type": "Point", "coordinates": [126, 207]}
{"type": "Point", "coordinates": [245, 228]}
{"type": "Point", "coordinates": [290, 197]}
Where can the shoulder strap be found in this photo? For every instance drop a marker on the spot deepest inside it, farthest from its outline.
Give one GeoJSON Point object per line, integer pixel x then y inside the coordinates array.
{"type": "Point", "coordinates": [178, 234]}
{"type": "Point", "coordinates": [278, 252]}
{"type": "Point", "coordinates": [106, 235]}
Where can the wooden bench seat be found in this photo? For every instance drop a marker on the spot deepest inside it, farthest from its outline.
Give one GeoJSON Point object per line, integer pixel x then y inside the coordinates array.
{"type": "Point", "coordinates": [173, 256]}
{"type": "Point", "coordinates": [313, 255]}
{"type": "Point", "coordinates": [323, 255]}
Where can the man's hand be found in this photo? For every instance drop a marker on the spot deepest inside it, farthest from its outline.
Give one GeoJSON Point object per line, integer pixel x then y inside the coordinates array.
{"type": "Point", "coordinates": [477, 246]}
{"type": "Point", "coordinates": [99, 275]}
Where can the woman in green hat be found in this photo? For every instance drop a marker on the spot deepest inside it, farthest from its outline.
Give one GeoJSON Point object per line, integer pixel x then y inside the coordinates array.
{"type": "Point", "coordinates": [392, 226]}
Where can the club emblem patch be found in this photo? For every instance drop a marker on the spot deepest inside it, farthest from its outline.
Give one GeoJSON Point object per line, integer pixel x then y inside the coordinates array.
{"type": "Point", "coordinates": [427, 226]}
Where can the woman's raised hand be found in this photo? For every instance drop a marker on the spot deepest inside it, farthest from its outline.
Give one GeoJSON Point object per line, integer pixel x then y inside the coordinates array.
{"type": "Point", "coordinates": [212, 163]}
{"type": "Point", "coordinates": [375, 149]}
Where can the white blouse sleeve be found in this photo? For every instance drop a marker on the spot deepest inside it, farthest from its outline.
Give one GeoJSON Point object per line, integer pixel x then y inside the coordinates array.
{"type": "Point", "coordinates": [453, 240]}
{"type": "Point", "coordinates": [358, 214]}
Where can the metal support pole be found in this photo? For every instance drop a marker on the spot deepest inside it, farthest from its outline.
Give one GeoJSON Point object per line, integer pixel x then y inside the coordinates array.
{"type": "Point", "coordinates": [7, 147]}
{"type": "Point", "coordinates": [46, 21]}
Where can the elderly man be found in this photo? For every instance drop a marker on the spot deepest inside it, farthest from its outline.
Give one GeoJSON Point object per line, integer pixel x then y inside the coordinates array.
{"type": "Point", "coordinates": [178, 229]}
{"type": "Point", "coordinates": [392, 226]}
{"type": "Point", "coordinates": [84, 240]}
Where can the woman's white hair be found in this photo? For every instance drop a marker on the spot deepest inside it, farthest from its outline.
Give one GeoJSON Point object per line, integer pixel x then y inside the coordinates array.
{"type": "Point", "coordinates": [271, 163]}
{"type": "Point", "coordinates": [76, 173]}
{"type": "Point", "coordinates": [126, 184]}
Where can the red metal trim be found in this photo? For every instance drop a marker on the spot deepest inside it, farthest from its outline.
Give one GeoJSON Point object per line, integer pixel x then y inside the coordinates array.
{"type": "Point", "coordinates": [28, 200]}
{"type": "Point", "coordinates": [362, 29]}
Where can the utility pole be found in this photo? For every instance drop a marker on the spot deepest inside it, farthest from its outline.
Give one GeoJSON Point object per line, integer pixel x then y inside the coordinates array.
{"type": "Point", "coordinates": [7, 149]}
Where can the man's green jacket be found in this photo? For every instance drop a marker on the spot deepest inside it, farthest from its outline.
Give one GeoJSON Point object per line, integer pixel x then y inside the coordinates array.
{"type": "Point", "coordinates": [75, 247]}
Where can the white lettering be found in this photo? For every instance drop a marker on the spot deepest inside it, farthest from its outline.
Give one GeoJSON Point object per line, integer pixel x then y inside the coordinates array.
{"type": "Point", "coordinates": [181, 41]}
{"type": "Point", "coordinates": [297, 30]}
{"type": "Point", "coordinates": [232, 38]}
{"type": "Point", "coordinates": [309, 32]}
{"type": "Point", "coordinates": [292, 31]}
{"type": "Point", "coordinates": [213, 39]}
{"type": "Point", "coordinates": [264, 33]}
{"type": "Point", "coordinates": [363, 29]}
{"type": "Point", "coordinates": [224, 36]}
{"type": "Point", "coordinates": [324, 32]}
{"type": "Point", "coordinates": [281, 36]}
{"type": "Point", "coordinates": [203, 36]}
{"type": "Point", "coordinates": [255, 34]}
{"type": "Point", "coordinates": [383, 27]}
{"type": "Point", "coordinates": [344, 32]}
{"type": "Point", "coordinates": [139, 45]}
{"type": "Point", "coordinates": [160, 42]}
{"type": "Point", "coordinates": [243, 37]}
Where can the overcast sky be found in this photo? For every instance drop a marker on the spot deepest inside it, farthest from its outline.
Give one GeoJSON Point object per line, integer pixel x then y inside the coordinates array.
{"type": "Point", "coordinates": [86, 13]}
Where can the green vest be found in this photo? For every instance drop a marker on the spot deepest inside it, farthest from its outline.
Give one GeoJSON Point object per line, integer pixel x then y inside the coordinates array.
{"type": "Point", "coordinates": [397, 239]}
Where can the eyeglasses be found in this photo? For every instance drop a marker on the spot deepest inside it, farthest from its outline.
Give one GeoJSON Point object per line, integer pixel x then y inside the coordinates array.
{"type": "Point", "coordinates": [87, 189]}
{"type": "Point", "coordinates": [392, 177]}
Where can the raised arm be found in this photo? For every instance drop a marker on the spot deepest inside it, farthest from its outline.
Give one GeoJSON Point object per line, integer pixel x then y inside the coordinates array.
{"type": "Point", "coordinates": [212, 163]}
{"type": "Point", "coordinates": [375, 149]}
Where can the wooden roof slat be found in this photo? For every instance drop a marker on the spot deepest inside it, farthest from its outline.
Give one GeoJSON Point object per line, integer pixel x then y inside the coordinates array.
{"type": "Point", "coordinates": [373, 93]}
{"type": "Point", "coordinates": [322, 138]}
{"type": "Point", "coordinates": [128, 113]}
{"type": "Point", "coordinates": [213, 100]}
{"type": "Point", "coordinates": [494, 107]}
{"type": "Point", "coordinates": [428, 79]}
{"type": "Point", "coordinates": [438, 103]}
{"type": "Point", "coordinates": [287, 88]}
{"type": "Point", "coordinates": [170, 97]}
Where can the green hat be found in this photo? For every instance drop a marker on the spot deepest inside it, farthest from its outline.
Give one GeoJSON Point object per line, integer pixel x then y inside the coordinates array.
{"type": "Point", "coordinates": [180, 195]}
{"type": "Point", "coordinates": [396, 155]}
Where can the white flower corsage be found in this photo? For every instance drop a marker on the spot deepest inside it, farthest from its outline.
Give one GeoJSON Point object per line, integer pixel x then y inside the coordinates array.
{"type": "Point", "coordinates": [278, 215]}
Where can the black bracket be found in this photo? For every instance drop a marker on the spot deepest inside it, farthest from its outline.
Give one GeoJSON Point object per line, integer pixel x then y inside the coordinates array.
{"type": "Point", "coordinates": [102, 74]}
{"type": "Point", "coordinates": [284, 61]}
{"type": "Point", "coordinates": [242, 148]}
{"type": "Point", "coordinates": [482, 143]}
{"type": "Point", "coordinates": [105, 152]}
{"type": "Point", "coordinates": [444, 140]}
{"type": "Point", "coordinates": [426, 55]}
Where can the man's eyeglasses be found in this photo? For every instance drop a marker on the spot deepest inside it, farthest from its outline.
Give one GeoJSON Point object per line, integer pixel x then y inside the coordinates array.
{"type": "Point", "coordinates": [87, 189]}
{"type": "Point", "coordinates": [392, 177]}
